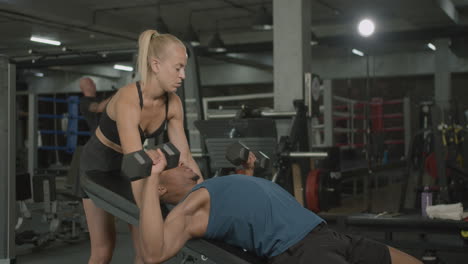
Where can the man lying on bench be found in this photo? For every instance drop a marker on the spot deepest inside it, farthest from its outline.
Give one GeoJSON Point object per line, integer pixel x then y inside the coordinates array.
{"type": "Point", "coordinates": [248, 212]}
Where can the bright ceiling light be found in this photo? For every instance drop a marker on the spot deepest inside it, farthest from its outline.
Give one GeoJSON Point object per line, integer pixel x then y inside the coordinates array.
{"type": "Point", "coordinates": [39, 74]}
{"type": "Point", "coordinates": [123, 67]}
{"type": "Point", "coordinates": [45, 41]}
{"type": "Point", "coordinates": [195, 43]}
{"type": "Point", "coordinates": [357, 52]}
{"type": "Point", "coordinates": [431, 46]}
{"type": "Point", "coordinates": [366, 27]}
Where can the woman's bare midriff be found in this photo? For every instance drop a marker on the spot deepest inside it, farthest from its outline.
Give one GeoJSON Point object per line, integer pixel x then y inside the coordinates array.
{"type": "Point", "coordinates": [107, 142]}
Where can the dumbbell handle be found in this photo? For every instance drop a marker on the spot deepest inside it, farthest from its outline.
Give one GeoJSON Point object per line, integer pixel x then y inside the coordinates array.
{"type": "Point", "coordinates": [137, 165]}
{"type": "Point", "coordinates": [171, 153]}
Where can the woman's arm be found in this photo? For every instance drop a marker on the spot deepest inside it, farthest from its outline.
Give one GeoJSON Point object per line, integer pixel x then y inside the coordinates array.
{"type": "Point", "coordinates": [127, 114]}
{"type": "Point", "coordinates": [177, 134]}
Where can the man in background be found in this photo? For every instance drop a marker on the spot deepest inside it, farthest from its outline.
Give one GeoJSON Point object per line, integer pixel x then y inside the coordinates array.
{"type": "Point", "coordinates": [90, 105]}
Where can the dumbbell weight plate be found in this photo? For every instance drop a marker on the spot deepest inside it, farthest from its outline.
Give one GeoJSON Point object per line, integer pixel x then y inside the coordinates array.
{"type": "Point", "coordinates": [312, 191]}
{"type": "Point", "coordinates": [237, 153]}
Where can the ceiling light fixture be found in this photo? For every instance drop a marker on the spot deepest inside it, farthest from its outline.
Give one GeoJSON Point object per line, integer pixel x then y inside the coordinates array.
{"type": "Point", "coordinates": [216, 44]}
{"type": "Point", "coordinates": [262, 20]}
{"type": "Point", "coordinates": [190, 35]}
{"type": "Point", "coordinates": [366, 27]}
{"type": "Point", "coordinates": [357, 52]}
{"type": "Point", "coordinates": [431, 46]}
{"type": "Point", "coordinates": [313, 39]}
{"type": "Point", "coordinates": [123, 67]}
{"type": "Point", "coordinates": [45, 41]}
{"type": "Point", "coordinates": [39, 74]}
{"type": "Point", "coordinates": [161, 26]}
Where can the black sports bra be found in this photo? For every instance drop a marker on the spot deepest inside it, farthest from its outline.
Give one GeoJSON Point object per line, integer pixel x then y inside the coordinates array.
{"type": "Point", "coordinates": [109, 127]}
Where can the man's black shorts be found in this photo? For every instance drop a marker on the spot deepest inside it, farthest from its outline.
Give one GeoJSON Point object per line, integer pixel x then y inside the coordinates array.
{"type": "Point", "coordinates": [323, 245]}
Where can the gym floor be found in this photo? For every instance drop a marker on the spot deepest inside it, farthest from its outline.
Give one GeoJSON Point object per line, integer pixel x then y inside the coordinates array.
{"type": "Point", "coordinates": [73, 252]}
{"type": "Point", "coordinates": [77, 253]}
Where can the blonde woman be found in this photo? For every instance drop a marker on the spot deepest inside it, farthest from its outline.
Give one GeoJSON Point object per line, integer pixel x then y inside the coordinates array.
{"type": "Point", "coordinates": [135, 112]}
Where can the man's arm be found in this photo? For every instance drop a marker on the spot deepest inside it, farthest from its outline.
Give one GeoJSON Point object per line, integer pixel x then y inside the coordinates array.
{"type": "Point", "coordinates": [99, 107]}
{"type": "Point", "coordinates": [159, 239]}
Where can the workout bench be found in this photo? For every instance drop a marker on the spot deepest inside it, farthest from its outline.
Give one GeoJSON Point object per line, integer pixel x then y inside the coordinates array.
{"type": "Point", "coordinates": [114, 195]}
{"type": "Point", "coordinates": [414, 224]}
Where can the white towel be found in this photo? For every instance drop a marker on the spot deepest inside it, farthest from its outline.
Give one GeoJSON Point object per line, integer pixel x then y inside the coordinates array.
{"type": "Point", "coordinates": [445, 211]}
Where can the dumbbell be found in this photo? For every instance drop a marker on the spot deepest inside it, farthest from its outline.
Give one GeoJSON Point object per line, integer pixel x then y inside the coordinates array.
{"type": "Point", "coordinates": [137, 165]}
{"type": "Point", "coordinates": [237, 153]}
{"type": "Point", "coordinates": [263, 161]}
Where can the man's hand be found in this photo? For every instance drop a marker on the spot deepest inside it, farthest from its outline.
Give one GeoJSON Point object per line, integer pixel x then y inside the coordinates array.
{"type": "Point", "coordinates": [153, 154]}
{"type": "Point", "coordinates": [250, 163]}
{"type": "Point", "coordinates": [159, 162]}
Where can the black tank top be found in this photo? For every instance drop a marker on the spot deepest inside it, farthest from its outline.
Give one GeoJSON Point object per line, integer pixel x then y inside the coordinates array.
{"type": "Point", "coordinates": [109, 127]}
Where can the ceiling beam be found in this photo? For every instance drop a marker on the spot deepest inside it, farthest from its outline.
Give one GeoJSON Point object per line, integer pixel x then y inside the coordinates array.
{"type": "Point", "coordinates": [70, 16]}
{"type": "Point", "coordinates": [106, 71]}
{"type": "Point", "coordinates": [243, 61]}
{"type": "Point", "coordinates": [74, 60]}
{"type": "Point", "coordinates": [54, 59]}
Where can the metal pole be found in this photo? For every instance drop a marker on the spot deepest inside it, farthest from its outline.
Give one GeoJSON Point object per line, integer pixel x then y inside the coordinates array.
{"type": "Point", "coordinates": [353, 131]}
{"type": "Point", "coordinates": [7, 162]}
{"type": "Point", "coordinates": [32, 134]}
{"type": "Point", "coordinates": [32, 137]}
{"type": "Point", "coordinates": [407, 123]}
{"type": "Point", "coordinates": [441, 111]}
{"type": "Point", "coordinates": [367, 177]}
{"type": "Point", "coordinates": [306, 155]}
{"type": "Point", "coordinates": [263, 114]}
{"type": "Point", "coordinates": [328, 113]}
{"type": "Point", "coordinates": [277, 114]}
{"type": "Point", "coordinates": [199, 155]}
{"type": "Point", "coordinates": [275, 177]}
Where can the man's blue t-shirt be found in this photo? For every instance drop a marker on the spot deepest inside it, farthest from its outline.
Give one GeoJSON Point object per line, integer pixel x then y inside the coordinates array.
{"type": "Point", "coordinates": [255, 214]}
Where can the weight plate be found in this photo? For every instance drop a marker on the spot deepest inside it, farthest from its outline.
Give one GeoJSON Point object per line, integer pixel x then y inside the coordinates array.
{"type": "Point", "coordinates": [312, 191]}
